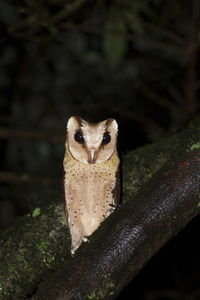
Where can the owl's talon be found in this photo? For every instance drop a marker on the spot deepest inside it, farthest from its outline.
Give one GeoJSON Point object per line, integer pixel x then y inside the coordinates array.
{"type": "Point", "coordinates": [84, 239]}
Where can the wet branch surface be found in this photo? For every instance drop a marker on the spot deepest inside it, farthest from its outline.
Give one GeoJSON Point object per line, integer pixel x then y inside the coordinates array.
{"type": "Point", "coordinates": [135, 232]}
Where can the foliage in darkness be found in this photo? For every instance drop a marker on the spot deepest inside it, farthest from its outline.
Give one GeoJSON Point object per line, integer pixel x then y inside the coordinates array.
{"type": "Point", "coordinates": [137, 61]}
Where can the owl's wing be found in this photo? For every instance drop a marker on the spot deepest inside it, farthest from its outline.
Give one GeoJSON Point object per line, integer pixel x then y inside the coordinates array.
{"type": "Point", "coordinates": [64, 196]}
{"type": "Point", "coordinates": [117, 189]}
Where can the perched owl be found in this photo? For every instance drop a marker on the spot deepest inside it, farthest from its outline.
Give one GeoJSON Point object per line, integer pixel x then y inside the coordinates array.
{"type": "Point", "coordinates": [91, 181]}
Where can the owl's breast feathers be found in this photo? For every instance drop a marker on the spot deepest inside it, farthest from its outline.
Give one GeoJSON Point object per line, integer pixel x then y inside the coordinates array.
{"type": "Point", "coordinates": [89, 194]}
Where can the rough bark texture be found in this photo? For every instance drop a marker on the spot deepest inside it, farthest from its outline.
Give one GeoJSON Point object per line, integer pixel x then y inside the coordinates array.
{"type": "Point", "coordinates": [35, 246]}
{"type": "Point", "coordinates": [133, 234]}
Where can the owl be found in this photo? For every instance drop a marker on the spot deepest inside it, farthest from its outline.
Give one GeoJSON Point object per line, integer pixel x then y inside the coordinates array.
{"type": "Point", "coordinates": [91, 181]}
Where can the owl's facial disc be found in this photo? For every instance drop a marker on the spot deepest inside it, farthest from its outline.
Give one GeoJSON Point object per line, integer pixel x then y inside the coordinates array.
{"type": "Point", "coordinates": [91, 142]}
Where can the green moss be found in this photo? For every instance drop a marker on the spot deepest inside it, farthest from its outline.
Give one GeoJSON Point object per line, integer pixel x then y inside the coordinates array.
{"type": "Point", "coordinates": [92, 296]}
{"type": "Point", "coordinates": [31, 244]}
{"type": "Point", "coordinates": [195, 146]}
{"type": "Point", "coordinates": [140, 170]}
{"type": "Point", "coordinates": [140, 165]}
{"type": "Point", "coordinates": [99, 294]}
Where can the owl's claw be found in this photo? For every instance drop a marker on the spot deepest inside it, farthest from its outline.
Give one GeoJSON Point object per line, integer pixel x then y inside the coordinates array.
{"type": "Point", "coordinates": [84, 239]}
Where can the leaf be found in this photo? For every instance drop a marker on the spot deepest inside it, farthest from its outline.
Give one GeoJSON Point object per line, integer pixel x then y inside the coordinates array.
{"type": "Point", "coordinates": [115, 40]}
{"type": "Point", "coordinates": [36, 212]}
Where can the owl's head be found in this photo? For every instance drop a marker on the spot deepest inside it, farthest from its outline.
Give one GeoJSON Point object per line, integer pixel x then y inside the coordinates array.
{"type": "Point", "coordinates": [91, 143]}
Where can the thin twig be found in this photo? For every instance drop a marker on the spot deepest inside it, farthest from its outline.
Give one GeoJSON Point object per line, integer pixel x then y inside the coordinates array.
{"type": "Point", "coordinates": [7, 133]}
{"type": "Point", "coordinates": [10, 177]}
{"type": "Point", "coordinates": [30, 21]}
{"type": "Point", "coordinates": [130, 37]}
{"type": "Point", "coordinates": [67, 10]}
{"type": "Point", "coordinates": [34, 20]}
{"type": "Point", "coordinates": [139, 118]}
{"type": "Point", "coordinates": [159, 100]}
{"type": "Point", "coordinates": [165, 32]}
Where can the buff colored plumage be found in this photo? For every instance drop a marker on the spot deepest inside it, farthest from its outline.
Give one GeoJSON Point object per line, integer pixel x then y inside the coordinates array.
{"type": "Point", "coordinates": [91, 165]}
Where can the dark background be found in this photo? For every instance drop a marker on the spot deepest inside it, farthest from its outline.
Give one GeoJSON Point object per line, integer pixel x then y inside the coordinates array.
{"type": "Point", "coordinates": [137, 61]}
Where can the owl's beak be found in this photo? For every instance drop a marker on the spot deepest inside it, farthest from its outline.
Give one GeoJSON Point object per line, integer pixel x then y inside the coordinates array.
{"type": "Point", "coordinates": [92, 156]}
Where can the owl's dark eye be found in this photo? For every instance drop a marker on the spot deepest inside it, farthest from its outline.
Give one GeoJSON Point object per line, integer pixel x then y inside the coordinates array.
{"type": "Point", "coordinates": [79, 137]}
{"type": "Point", "coordinates": [106, 138]}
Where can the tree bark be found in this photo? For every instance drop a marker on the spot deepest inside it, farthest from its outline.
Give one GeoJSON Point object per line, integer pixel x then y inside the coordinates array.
{"type": "Point", "coordinates": [135, 232]}
{"type": "Point", "coordinates": [37, 245]}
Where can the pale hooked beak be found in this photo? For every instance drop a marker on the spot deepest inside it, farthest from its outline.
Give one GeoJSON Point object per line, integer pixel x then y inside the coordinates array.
{"type": "Point", "coordinates": [92, 156]}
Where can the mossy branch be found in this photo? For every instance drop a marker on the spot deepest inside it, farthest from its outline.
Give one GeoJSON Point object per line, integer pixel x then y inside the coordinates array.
{"type": "Point", "coordinates": [132, 235]}
{"type": "Point", "coordinates": [37, 245]}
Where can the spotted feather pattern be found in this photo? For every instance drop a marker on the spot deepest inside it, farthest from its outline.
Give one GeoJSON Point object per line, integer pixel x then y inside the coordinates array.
{"type": "Point", "coordinates": [89, 194]}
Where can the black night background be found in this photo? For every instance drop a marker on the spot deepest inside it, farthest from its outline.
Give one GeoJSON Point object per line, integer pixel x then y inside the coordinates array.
{"type": "Point", "coordinates": [136, 61]}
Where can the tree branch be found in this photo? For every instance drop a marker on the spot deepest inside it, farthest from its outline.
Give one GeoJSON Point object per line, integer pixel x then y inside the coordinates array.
{"type": "Point", "coordinates": [133, 234]}
{"type": "Point", "coordinates": [11, 177]}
